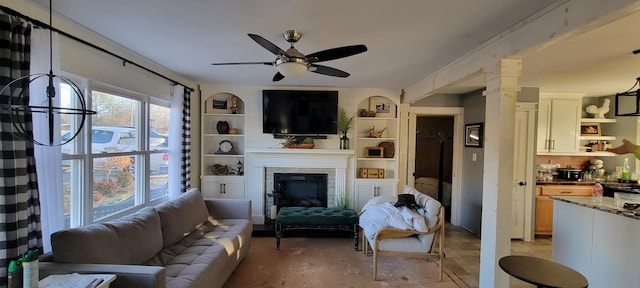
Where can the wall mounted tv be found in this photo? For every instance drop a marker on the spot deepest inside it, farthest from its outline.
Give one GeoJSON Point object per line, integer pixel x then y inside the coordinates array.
{"type": "Point", "coordinates": [299, 112]}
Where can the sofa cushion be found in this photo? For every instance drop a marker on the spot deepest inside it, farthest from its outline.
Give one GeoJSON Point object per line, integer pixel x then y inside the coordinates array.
{"type": "Point", "coordinates": [181, 216]}
{"type": "Point", "coordinates": [133, 239]}
{"type": "Point", "coordinates": [207, 256]}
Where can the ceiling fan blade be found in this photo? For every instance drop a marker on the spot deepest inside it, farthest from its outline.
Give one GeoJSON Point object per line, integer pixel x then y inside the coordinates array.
{"type": "Point", "coordinates": [244, 63]}
{"type": "Point", "coordinates": [278, 77]}
{"type": "Point", "coordinates": [336, 53]}
{"type": "Point", "coordinates": [267, 44]}
{"type": "Point", "coordinates": [325, 70]}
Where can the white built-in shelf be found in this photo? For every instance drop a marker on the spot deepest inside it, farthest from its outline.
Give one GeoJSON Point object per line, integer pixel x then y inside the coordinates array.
{"type": "Point", "coordinates": [222, 135]}
{"type": "Point", "coordinates": [222, 155]}
{"type": "Point", "coordinates": [595, 138]}
{"type": "Point", "coordinates": [379, 139]}
{"type": "Point", "coordinates": [375, 159]}
{"type": "Point", "coordinates": [597, 120]}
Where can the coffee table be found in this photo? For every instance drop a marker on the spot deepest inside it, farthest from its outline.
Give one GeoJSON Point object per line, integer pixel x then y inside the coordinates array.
{"type": "Point", "coordinates": [542, 272]}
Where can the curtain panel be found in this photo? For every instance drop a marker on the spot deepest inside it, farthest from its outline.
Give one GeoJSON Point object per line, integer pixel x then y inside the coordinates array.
{"type": "Point", "coordinates": [180, 142]}
{"type": "Point", "coordinates": [19, 199]}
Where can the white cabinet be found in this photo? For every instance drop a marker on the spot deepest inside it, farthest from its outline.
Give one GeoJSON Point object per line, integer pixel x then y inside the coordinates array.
{"type": "Point", "coordinates": [226, 187]}
{"type": "Point", "coordinates": [601, 245]}
{"type": "Point", "coordinates": [367, 189]}
{"type": "Point", "coordinates": [558, 126]}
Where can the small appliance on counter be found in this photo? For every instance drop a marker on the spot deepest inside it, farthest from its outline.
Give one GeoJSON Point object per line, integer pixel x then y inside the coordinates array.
{"type": "Point", "coordinates": [596, 168]}
{"type": "Point", "coordinates": [568, 173]}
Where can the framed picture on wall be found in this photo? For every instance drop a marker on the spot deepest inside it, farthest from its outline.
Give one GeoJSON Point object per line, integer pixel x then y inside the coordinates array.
{"type": "Point", "coordinates": [473, 135]}
{"type": "Point", "coordinates": [590, 129]}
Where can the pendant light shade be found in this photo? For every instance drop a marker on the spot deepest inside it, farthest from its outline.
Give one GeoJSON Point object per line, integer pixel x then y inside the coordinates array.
{"type": "Point", "coordinates": [628, 102]}
{"type": "Point", "coordinates": [21, 110]}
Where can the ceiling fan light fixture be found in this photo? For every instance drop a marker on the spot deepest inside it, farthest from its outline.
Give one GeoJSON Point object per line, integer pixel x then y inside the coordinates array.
{"type": "Point", "coordinates": [291, 67]}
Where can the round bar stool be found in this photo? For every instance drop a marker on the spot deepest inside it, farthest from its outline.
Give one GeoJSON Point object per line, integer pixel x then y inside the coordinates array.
{"type": "Point", "coordinates": [542, 272]}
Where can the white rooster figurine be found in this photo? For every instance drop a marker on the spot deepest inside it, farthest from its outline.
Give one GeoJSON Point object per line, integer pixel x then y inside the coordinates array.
{"type": "Point", "coordinates": [598, 112]}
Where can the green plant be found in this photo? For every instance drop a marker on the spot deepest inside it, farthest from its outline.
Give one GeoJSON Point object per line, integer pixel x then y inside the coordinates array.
{"type": "Point", "coordinates": [345, 122]}
{"type": "Point", "coordinates": [344, 201]}
{"type": "Point", "coordinates": [308, 140]}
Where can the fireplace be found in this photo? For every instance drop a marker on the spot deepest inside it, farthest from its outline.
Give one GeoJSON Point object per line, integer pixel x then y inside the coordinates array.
{"type": "Point", "coordinates": [264, 162]}
{"type": "Point", "coordinates": [299, 190]}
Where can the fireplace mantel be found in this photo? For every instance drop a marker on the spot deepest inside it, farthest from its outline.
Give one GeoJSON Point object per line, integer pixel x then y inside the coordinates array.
{"type": "Point", "coordinates": [260, 158]}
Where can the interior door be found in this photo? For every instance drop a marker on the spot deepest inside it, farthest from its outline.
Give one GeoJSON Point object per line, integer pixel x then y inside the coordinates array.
{"type": "Point", "coordinates": [522, 169]}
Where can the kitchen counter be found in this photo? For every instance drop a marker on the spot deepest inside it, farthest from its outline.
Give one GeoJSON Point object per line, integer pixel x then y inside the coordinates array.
{"type": "Point", "coordinates": [608, 205]}
{"type": "Point", "coordinates": [598, 240]}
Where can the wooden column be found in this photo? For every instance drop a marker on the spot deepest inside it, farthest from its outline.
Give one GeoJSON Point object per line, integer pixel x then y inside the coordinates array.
{"type": "Point", "coordinates": [501, 93]}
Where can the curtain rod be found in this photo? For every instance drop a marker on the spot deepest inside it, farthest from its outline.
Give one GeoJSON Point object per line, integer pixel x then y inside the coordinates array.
{"type": "Point", "coordinates": [124, 60]}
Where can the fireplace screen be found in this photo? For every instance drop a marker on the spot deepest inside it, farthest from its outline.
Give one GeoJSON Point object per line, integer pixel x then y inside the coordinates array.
{"type": "Point", "coordinates": [300, 190]}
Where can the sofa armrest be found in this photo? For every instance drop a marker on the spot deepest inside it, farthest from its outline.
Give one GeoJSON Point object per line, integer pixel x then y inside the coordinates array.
{"type": "Point", "coordinates": [229, 208]}
{"type": "Point", "coordinates": [126, 275]}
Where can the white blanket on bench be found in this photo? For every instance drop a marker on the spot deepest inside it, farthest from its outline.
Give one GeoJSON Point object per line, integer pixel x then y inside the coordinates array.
{"type": "Point", "coordinates": [379, 216]}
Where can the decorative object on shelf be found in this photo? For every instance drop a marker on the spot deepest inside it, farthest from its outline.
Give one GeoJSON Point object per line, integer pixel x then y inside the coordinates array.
{"type": "Point", "coordinates": [234, 131]}
{"type": "Point", "coordinates": [292, 142]}
{"type": "Point", "coordinates": [344, 141]}
{"type": "Point", "coordinates": [473, 135]}
{"type": "Point", "coordinates": [381, 132]}
{"type": "Point", "coordinates": [222, 127]}
{"type": "Point", "coordinates": [219, 104]}
{"type": "Point", "coordinates": [374, 152]}
{"type": "Point", "coordinates": [598, 112]}
{"type": "Point", "coordinates": [389, 149]}
{"type": "Point", "coordinates": [220, 170]}
{"type": "Point", "coordinates": [239, 170]}
{"type": "Point", "coordinates": [225, 147]}
{"type": "Point", "coordinates": [381, 107]}
{"type": "Point", "coordinates": [235, 106]}
{"type": "Point", "coordinates": [371, 173]}
{"type": "Point", "coordinates": [16, 90]}
{"type": "Point", "coordinates": [590, 129]}
{"type": "Point", "coordinates": [344, 124]}
{"type": "Point", "coordinates": [371, 132]}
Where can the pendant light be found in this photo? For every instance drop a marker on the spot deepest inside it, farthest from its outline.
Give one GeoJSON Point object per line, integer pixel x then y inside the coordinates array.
{"type": "Point", "coordinates": [628, 102]}
{"type": "Point", "coordinates": [20, 109]}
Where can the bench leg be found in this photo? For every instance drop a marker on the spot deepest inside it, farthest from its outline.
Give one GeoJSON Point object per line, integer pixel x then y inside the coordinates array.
{"type": "Point", "coordinates": [355, 236]}
{"type": "Point", "coordinates": [278, 235]}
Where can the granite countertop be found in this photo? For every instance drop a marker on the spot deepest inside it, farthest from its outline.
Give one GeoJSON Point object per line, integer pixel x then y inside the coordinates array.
{"type": "Point", "coordinates": [608, 205]}
{"type": "Point", "coordinates": [580, 182]}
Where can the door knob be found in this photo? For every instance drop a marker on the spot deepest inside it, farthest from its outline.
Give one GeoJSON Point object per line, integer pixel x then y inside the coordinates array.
{"type": "Point", "coordinates": [522, 183]}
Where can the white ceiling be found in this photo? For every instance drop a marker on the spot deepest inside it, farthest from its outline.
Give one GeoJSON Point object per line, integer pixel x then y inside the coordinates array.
{"type": "Point", "coordinates": [407, 40]}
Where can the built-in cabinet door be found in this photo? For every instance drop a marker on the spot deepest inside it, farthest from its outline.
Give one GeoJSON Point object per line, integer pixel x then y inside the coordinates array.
{"type": "Point", "coordinates": [558, 125]}
{"type": "Point", "coordinates": [365, 190]}
{"type": "Point", "coordinates": [544, 215]}
{"type": "Point", "coordinates": [223, 187]}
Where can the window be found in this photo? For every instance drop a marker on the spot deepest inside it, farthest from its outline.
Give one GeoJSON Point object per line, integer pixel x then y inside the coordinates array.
{"type": "Point", "coordinates": [121, 163]}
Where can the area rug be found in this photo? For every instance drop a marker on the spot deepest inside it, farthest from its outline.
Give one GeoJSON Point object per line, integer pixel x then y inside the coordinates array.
{"type": "Point", "coordinates": [328, 262]}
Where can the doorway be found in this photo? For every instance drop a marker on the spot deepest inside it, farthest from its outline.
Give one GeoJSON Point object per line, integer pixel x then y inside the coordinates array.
{"type": "Point", "coordinates": [434, 158]}
{"type": "Point", "coordinates": [452, 166]}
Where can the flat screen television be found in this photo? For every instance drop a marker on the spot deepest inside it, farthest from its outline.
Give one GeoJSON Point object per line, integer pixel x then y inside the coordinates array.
{"type": "Point", "coordinates": [299, 112]}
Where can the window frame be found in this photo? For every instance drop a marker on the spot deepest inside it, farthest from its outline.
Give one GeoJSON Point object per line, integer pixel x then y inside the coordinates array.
{"type": "Point", "coordinates": [81, 202]}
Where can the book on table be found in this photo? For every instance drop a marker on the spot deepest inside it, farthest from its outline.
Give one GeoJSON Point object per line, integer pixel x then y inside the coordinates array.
{"type": "Point", "coordinates": [75, 280]}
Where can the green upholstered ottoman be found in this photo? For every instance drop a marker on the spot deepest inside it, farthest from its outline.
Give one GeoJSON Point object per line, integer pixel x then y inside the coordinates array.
{"type": "Point", "coordinates": [321, 218]}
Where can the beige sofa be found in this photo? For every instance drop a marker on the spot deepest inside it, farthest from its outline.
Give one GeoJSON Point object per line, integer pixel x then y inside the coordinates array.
{"type": "Point", "coordinates": [187, 242]}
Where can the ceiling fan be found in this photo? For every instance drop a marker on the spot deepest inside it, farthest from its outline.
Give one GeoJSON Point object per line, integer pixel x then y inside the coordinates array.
{"type": "Point", "coordinates": [294, 63]}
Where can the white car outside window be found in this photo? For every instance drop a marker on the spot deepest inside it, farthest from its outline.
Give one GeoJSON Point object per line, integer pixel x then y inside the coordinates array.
{"type": "Point", "coordinates": [110, 139]}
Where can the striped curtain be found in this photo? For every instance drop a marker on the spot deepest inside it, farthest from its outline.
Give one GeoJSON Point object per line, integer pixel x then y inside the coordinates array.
{"type": "Point", "coordinates": [19, 196]}
{"type": "Point", "coordinates": [186, 141]}
{"type": "Point", "coordinates": [180, 144]}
